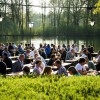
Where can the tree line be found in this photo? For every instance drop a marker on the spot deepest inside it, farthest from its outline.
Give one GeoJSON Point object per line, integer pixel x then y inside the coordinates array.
{"type": "Point", "coordinates": [65, 17]}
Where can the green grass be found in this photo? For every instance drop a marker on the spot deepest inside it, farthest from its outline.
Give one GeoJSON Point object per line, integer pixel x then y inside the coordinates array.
{"type": "Point", "coordinates": [50, 88]}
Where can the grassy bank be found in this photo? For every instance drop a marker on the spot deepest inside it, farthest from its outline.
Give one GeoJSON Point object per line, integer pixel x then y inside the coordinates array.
{"type": "Point", "coordinates": [50, 88]}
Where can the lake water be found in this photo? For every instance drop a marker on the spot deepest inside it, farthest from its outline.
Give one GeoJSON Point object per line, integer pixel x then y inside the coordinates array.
{"type": "Point", "coordinates": [95, 41]}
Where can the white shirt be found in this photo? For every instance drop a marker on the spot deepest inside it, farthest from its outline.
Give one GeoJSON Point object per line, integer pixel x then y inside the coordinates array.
{"type": "Point", "coordinates": [84, 56]}
{"type": "Point", "coordinates": [14, 46]}
{"type": "Point", "coordinates": [32, 54]}
{"type": "Point", "coordinates": [76, 49]}
{"type": "Point", "coordinates": [80, 67]}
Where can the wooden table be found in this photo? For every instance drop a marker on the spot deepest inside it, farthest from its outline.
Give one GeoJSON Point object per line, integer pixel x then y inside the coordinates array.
{"type": "Point", "coordinates": [20, 73]}
{"type": "Point", "coordinates": [13, 61]}
{"type": "Point", "coordinates": [78, 53]}
{"type": "Point", "coordinates": [47, 60]}
{"type": "Point", "coordinates": [73, 61]}
{"type": "Point", "coordinates": [66, 65]}
{"type": "Point", "coordinates": [92, 73]}
{"type": "Point", "coordinates": [94, 54]}
{"type": "Point", "coordinates": [54, 72]}
{"type": "Point", "coordinates": [28, 60]}
{"type": "Point", "coordinates": [14, 57]}
{"type": "Point", "coordinates": [54, 68]}
{"type": "Point", "coordinates": [15, 74]}
{"type": "Point", "coordinates": [8, 68]}
{"type": "Point", "coordinates": [28, 65]}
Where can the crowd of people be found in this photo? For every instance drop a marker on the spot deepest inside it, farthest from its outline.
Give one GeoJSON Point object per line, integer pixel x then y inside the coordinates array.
{"type": "Point", "coordinates": [56, 55]}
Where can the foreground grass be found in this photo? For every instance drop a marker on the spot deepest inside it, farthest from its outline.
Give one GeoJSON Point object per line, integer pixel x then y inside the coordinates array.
{"type": "Point", "coordinates": [50, 88]}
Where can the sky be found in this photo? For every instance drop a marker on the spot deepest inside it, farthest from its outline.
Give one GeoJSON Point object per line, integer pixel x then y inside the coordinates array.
{"type": "Point", "coordinates": [38, 2]}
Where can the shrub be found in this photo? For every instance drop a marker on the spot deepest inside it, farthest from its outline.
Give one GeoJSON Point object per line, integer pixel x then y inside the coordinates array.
{"type": "Point", "coordinates": [50, 88]}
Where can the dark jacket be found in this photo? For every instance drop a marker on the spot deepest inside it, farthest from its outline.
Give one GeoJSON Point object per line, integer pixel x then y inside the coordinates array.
{"type": "Point", "coordinates": [8, 62]}
{"type": "Point", "coordinates": [2, 68]}
{"type": "Point", "coordinates": [50, 62]}
{"type": "Point", "coordinates": [17, 66]}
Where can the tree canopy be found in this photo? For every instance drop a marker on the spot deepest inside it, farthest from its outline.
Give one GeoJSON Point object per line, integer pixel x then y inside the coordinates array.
{"type": "Point", "coordinates": [64, 17]}
{"type": "Point", "coordinates": [97, 10]}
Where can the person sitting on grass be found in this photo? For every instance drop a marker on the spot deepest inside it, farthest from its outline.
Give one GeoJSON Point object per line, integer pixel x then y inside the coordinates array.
{"type": "Point", "coordinates": [73, 71]}
{"type": "Point", "coordinates": [80, 66]}
{"type": "Point", "coordinates": [61, 69]}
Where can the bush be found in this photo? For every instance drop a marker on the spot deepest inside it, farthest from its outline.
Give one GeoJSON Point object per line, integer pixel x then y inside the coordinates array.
{"type": "Point", "coordinates": [50, 88]}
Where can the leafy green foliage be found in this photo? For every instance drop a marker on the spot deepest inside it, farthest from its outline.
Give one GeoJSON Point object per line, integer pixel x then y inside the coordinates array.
{"type": "Point", "coordinates": [7, 27]}
{"type": "Point", "coordinates": [97, 10]}
{"type": "Point", "coordinates": [64, 17]}
{"type": "Point", "coordinates": [50, 88]}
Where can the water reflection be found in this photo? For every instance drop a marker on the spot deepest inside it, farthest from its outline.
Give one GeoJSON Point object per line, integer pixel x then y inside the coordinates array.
{"type": "Point", "coordinates": [55, 40]}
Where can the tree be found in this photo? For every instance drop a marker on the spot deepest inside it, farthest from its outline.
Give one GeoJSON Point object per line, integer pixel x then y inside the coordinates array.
{"type": "Point", "coordinates": [97, 10]}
